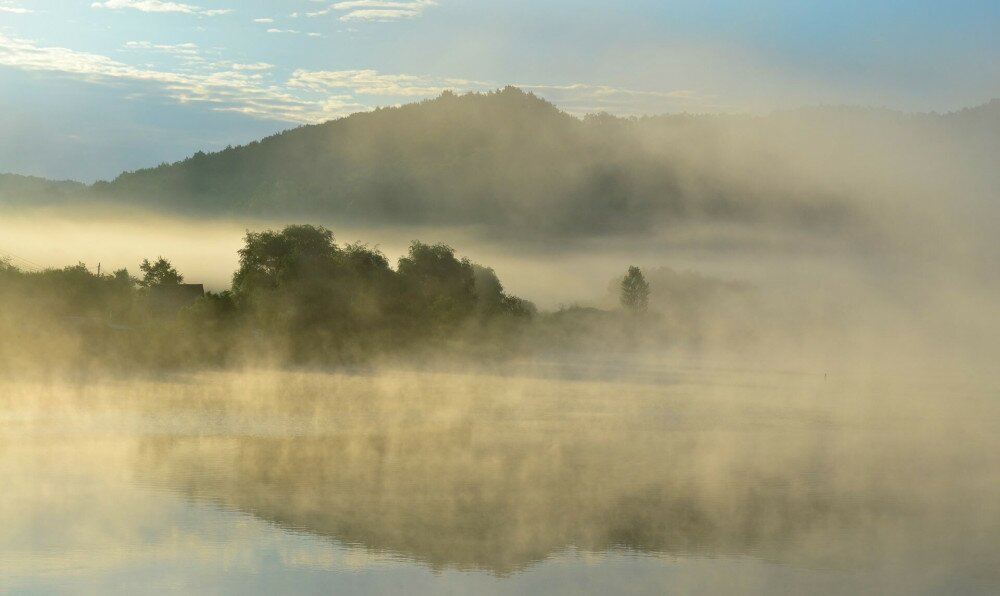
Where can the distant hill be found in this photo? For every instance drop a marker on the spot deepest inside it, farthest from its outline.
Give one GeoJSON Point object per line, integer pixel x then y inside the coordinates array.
{"type": "Point", "coordinates": [25, 190]}
{"type": "Point", "coordinates": [506, 160]}
{"type": "Point", "coordinates": [511, 161]}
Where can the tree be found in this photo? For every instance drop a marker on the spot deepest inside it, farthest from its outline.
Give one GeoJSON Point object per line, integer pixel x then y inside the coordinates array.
{"type": "Point", "coordinates": [493, 300]}
{"type": "Point", "coordinates": [124, 279]}
{"type": "Point", "coordinates": [635, 291]}
{"type": "Point", "coordinates": [437, 286]}
{"type": "Point", "coordinates": [271, 259]}
{"type": "Point", "coordinates": [489, 290]}
{"type": "Point", "coordinates": [291, 283]}
{"type": "Point", "coordinates": [159, 273]}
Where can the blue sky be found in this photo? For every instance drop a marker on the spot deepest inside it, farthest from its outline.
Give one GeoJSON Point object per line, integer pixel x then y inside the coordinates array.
{"type": "Point", "coordinates": [94, 87]}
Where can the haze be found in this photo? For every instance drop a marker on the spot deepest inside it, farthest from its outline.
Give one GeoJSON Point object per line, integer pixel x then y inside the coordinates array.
{"type": "Point", "coordinates": [453, 297]}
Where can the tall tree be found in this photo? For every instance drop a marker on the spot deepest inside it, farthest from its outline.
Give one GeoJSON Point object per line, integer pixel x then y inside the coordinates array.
{"type": "Point", "coordinates": [635, 291]}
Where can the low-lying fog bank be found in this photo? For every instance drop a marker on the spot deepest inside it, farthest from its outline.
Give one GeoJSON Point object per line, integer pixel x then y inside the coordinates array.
{"type": "Point", "coordinates": [737, 291]}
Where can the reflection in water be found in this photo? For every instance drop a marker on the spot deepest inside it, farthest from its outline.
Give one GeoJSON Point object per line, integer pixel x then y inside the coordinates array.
{"type": "Point", "coordinates": [510, 476]}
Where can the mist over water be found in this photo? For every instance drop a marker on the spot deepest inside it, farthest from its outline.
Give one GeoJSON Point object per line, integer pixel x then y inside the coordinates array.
{"type": "Point", "coordinates": [718, 478]}
{"type": "Point", "coordinates": [809, 405]}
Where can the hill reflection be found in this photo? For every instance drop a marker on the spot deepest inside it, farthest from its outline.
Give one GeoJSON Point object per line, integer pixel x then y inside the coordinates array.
{"type": "Point", "coordinates": [488, 473]}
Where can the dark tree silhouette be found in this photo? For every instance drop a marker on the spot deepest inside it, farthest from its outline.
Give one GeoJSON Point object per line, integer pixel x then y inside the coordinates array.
{"type": "Point", "coordinates": [493, 300]}
{"type": "Point", "coordinates": [158, 273]}
{"type": "Point", "coordinates": [296, 295]}
{"type": "Point", "coordinates": [635, 291]}
{"type": "Point", "coordinates": [270, 259]}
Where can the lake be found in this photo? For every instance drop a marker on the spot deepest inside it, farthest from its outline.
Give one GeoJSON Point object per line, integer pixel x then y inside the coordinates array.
{"type": "Point", "coordinates": [578, 478]}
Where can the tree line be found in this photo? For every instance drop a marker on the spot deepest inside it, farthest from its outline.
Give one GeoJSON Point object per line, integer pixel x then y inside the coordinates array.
{"type": "Point", "coordinates": [297, 296]}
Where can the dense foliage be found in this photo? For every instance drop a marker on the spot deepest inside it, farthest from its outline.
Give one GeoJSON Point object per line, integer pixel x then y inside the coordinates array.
{"type": "Point", "coordinates": [296, 297]}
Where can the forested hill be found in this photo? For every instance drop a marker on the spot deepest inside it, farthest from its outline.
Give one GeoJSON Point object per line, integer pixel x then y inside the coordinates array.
{"type": "Point", "coordinates": [31, 190]}
{"type": "Point", "coordinates": [512, 161]}
{"type": "Point", "coordinates": [506, 159]}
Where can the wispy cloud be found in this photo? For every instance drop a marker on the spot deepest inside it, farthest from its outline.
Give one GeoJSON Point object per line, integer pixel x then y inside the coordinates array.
{"type": "Point", "coordinates": [376, 10]}
{"type": "Point", "coordinates": [275, 30]}
{"type": "Point", "coordinates": [309, 96]}
{"type": "Point", "coordinates": [160, 6]}
{"type": "Point", "coordinates": [11, 7]}
{"type": "Point", "coordinates": [368, 82]}
{"type": "Point", "coordinates": [254, 66]}
{"type": "Point", "coordinates": [187, 53]}
{"type": "Point", "coordinates": [581, 98]}
{"type": "Point", "coordinates": [189, 49]}
{"type": "Point", "coordinates": [264, 20]}
{"type": "Point", "coordinates": [578, 98]}
{"type": "Point", "coordinates": [244, 90]}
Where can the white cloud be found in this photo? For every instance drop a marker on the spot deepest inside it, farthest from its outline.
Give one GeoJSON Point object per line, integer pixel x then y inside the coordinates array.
{"type": "Point", "coordinates": [254, 66]}
{"type": "Point", "coordinates": [293, 32]}
{"type": "Point", "coordinates": [376, 10]}
{"type": "Point", "coordinates": [264, 20]}
{"type": "Point", "coordinates": [308, 96]}
{"type": "Point", "coordinates": [188, 53]}
{"type": "Point", "coordinates": [367, 82]}
{"type": "Point", "coordinates": [379, 15]}
{"type": "Point", "coordinates": [225, 89]}
{"type": "Point", "coordinates": [11, 7]}
{"type": "Point", "coordinates": [180, 48]}
{"type": "Point", "coordinates": [159, 6]}
{"type": "Point", "coordinates": [582, 98]}
{"type": "Point", "coordinates": [578, 98]}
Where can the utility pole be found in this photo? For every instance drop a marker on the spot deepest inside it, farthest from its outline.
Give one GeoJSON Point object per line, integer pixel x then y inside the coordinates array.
{"type": "Point", "coordinates": [98, 270]}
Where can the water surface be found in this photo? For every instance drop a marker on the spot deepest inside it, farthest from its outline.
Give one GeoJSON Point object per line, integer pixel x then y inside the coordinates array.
{"type": "Point", "coordinates": [559, 479]}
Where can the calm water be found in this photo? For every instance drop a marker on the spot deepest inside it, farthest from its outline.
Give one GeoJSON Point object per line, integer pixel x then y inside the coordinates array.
{"type": "Point", "coordinates": [682, 480]}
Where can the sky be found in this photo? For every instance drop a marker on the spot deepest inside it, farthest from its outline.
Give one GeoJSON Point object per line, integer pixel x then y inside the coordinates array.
{"type": "Point", "coordinates": [91, 88]}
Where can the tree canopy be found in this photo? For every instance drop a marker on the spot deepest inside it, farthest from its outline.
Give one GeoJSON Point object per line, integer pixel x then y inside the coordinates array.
{"type": "Point", "coordinates": [159, 273]}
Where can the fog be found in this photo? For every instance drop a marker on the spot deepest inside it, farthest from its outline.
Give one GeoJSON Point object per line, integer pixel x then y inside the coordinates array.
{"type": "Point", "coordinates": [809, 403]}
{"type": "Point", "coordinates": [887, 484]}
